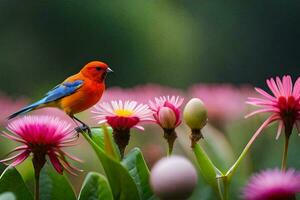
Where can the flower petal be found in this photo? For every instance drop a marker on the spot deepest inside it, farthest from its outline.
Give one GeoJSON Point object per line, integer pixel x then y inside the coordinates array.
{"type": "Point", "coordinates": [55, 162]}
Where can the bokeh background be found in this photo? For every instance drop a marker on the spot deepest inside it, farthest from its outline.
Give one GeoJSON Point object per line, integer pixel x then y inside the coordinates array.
{"type": "Point", "coordinates": [182, 44]}
{"type": "Point", "coordinates": [41, 42]}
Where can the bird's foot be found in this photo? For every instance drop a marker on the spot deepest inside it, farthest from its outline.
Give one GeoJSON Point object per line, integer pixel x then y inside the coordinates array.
{"type": "Point", "coordinates": [84, 128]}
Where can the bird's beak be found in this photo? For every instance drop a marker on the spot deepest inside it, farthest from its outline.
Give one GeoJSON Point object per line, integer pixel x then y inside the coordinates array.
{"type": "Point", "coordinates": [109, 70]}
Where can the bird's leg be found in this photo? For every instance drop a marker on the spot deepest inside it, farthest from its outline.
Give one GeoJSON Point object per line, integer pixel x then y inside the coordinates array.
{"type": "Point", "coordinates": [82, 128]}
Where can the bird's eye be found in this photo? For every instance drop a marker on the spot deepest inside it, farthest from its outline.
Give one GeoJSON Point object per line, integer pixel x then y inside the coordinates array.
{"type": "Point", "coordinates": [98, 68]}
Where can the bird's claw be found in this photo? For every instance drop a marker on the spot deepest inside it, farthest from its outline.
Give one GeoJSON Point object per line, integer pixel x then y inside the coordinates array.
{"type": "Point", "coordinates": [84, 128]}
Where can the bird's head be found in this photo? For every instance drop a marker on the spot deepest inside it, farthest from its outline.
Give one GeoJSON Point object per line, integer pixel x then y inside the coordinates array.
{"type": "Point", "coordinates": [96, 71]}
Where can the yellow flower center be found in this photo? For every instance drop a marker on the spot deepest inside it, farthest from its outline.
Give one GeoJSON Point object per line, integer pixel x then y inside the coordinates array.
{"type": "Point", "coordinates": [123, 112]}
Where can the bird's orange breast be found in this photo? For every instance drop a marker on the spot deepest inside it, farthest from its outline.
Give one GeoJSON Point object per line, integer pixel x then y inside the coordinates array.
{"type": "Point", "coordinates": [85, 97]}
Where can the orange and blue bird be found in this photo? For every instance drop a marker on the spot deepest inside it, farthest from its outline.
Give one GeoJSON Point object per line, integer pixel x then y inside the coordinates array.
{"type": "Point", "coordinates": [75, 94]}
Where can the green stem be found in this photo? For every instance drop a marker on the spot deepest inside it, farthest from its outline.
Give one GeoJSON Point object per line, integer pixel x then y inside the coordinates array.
{"type": "Point", "coordinates": [220, 192]}
{"type": "Point", "coordinates": [225, 187]}
{"type": "Point", "coordinates": [169, 153]}
{"type": "Point", "coordinates": [241, 157]}
{"type": "Point", "coordinates": [234, 167]}
{"type": "Point", "coordinates": [207, 169]}
{"type": "Point", "coordinates": [285, 153]}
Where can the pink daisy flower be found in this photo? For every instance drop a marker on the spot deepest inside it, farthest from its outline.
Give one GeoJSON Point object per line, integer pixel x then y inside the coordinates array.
{"type": "Point", "coordinates": [273, 185]}
{"type": "Point", "coordinates": [122, 116]}
{"type": "Point", "coordinates": [283, 104]}
{"type": "Point", "coordinates": [167, 111]}
{"type": "Point", "coordinates": [41, 136]}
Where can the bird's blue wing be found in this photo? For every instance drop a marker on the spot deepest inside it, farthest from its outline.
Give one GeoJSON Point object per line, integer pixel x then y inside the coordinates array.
{"type": "Point", "coordinates": [62, 90]}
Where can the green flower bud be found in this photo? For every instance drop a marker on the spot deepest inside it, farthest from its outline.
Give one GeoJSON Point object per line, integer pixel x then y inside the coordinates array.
{"type": "Point", "coordinates": [195, 114]}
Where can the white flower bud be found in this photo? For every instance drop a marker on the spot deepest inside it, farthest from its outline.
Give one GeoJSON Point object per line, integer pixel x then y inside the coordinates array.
{"type": "Point", "coordinates": [173, 178]}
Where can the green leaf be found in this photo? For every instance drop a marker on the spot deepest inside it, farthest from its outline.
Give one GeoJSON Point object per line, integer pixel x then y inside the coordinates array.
{"type": "Point", "coordinates": [54, 186]}
{"type": "Point", "coordinates": [122, 184]}
{"type": "Point", "coordinates": [136, 165]}
{"type": "Point", "coordinates": [95, 187]}
{"type": "Point", "coordinates": [11, 181]}
{"type": "Point", "coordinates": [103, 138]}
{"type": "Point", "coordinates": [207, 168]}
{"type": "Point", "coordinates": [109, 145]}
{"type": "Point", "coordinates": [7, 196]}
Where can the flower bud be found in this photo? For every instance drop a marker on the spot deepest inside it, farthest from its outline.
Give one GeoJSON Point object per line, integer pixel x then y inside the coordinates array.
{"type": "Point", "coordinates": [173, 178]}
{"type": "Point", "coordinates": [195, 114]}
{"type": "Point", "coordinates": [167, 114]}
{"type": "Point", "coordinates": [167, 118]}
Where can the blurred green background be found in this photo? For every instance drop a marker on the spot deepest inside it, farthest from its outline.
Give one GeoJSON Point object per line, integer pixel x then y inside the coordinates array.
{"type": "Point", "coordinates": [188, 41]}
{"type": "Point", "coordinates": [175, 43]}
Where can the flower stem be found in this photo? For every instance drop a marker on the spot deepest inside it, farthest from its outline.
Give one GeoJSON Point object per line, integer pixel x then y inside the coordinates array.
{"type": "Point", "coordinates": [37, 185]}
{"type": "Point", "coordinates": [285, 153]}
{"type": "Point", "coordinates": [233, 168]}
{"type": "Point", "coordinates": [121, 138]}
{"type": "Point", "coordinates": [208, 170]}
{"type": "Point", "coordinates": [170, 150]}
{"type": "Point", "coordinates": [241, 157]}
{"type": "Point", "coordinates": [288, 129]}
{"type": "Point", "coordinates": [38, 162]}
{"type": "Point", "coordinates": [170, 135]}
{"type": "Point", "coordinates": [220, 192]}
{"type": "Point", "coordinates": [225, 188]}
{"type": "Point", "coordinates": [196, 135]}
{"type": "Point", "coordinates": [293, 197]}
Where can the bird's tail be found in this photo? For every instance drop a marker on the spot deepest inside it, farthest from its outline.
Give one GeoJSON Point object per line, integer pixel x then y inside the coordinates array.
{"type": "Point", "coordinates": [26, 109]}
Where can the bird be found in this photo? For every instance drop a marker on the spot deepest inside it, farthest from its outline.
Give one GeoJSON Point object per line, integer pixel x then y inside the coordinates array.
{"type": "Point", "coordinates": [75, 94]}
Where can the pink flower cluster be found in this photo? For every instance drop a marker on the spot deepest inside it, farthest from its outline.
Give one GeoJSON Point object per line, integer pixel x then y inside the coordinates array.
{"type": "Point", "coordinates": [165, 111]}
{"type": "Point", "coordinates": [124, 115]}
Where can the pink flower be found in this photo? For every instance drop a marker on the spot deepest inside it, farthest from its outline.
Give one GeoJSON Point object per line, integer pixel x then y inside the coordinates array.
{"type": "Point", "coordinates": [167, 111]}
{"type": "Point", "coordinates": [122, 115]}
{"type": "Point", "coordinates": [41, 136]}
{"type": "Point", "coordinates": [283, 104]}
{"type": "Point", "coordinates": [273, 185]}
